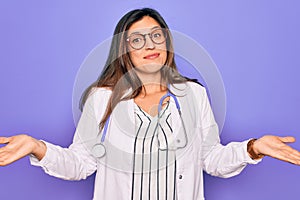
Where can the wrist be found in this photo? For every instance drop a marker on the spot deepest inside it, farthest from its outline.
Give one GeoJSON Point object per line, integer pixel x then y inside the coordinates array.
{"type": "Point", "coordinates": [39, 149]}
{"type": "Point", "coordinates": [252, 151]}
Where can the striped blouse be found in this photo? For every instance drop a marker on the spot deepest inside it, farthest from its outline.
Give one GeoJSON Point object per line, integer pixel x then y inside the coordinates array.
{"type": "Point", "coordinates": [154, 164]}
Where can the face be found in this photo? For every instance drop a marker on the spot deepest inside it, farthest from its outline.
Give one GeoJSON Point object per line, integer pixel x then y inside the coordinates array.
{"type": "Point", "coordinates": [152, 56]}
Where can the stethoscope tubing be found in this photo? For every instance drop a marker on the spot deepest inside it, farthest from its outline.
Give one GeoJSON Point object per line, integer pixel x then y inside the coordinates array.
{"type": "Point", "coordinates": [169, 94]}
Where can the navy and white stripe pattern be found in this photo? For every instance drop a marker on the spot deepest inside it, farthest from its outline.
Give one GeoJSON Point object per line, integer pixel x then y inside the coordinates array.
{"type": "Point", "coordinates": [154, 165]}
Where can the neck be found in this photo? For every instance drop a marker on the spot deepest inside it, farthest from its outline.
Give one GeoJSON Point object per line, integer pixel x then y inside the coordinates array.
{"type": "Point", "coordinates": [153, 88]}
{"type": "Point", "coordinates": [146, 77]}
{"type": "Point", "coordinates": [152, 82]}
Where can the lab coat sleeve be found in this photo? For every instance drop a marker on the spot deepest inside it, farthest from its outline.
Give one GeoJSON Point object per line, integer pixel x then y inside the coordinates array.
{"type": "Point", "coordinates": [75, 162]}
{"type": "Point", "coordinates": [217, 159]}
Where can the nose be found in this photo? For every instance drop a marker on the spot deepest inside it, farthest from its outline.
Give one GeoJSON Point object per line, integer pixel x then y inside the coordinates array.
{"type": "Point", "coordinates": [148, 42]}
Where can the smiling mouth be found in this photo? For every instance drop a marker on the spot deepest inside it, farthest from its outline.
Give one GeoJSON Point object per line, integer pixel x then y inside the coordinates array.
{"type": "Point", "coordinates": [152, 56]}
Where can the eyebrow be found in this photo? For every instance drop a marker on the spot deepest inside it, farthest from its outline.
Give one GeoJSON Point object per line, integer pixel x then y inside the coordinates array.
{"type": "Point", "coordinates": [137, 32]}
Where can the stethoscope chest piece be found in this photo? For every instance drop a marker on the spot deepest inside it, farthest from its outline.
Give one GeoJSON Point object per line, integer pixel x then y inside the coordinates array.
{"type": "Point", "coordinates": [98, 150]}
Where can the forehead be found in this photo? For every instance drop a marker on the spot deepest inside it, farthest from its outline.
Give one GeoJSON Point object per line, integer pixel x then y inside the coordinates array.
{"type": "Point", "coordinates": [146, 23]}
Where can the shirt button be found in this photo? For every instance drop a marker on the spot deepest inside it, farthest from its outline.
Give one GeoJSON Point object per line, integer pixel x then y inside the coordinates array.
{"type": "Point", "coordinates": [180, 176]}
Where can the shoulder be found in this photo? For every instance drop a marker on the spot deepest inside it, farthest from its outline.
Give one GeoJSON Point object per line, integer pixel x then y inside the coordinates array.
{"type": "Point", "coordinates": [191, 86]}
{"type": "Point", "coordinates": [97, 101]}
{"type": "Point", "coordinates": [99, 95]}
{"type": "Point", "coordinates": [100, 91]}
{"type": "Point", "coordinates": [195, 85]}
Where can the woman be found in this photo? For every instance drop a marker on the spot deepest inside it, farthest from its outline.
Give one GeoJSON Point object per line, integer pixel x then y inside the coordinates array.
{"type": "Point", "coordinates": [147, 131]}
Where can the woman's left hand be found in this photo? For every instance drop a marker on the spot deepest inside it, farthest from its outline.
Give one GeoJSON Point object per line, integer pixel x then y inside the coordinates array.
{"type": "Point", "coordinates": [276, 147]}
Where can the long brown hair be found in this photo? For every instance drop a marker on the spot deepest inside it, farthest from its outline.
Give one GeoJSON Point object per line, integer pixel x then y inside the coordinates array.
{"type": "Point", "coordinates": [118, 75]}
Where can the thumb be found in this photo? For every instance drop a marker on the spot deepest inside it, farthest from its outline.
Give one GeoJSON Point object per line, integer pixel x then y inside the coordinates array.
{"type": "Point", "coordinates": [4, 140]}
{"type": "Point", "coordinates": [287, 139]}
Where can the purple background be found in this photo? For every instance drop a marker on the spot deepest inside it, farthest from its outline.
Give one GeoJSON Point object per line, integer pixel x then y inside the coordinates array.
{"type": "Point", "coordinates": [255, 45]}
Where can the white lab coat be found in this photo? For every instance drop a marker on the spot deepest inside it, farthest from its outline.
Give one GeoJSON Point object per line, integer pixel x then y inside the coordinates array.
{"type": "Point", "coordinates": [114, 173]}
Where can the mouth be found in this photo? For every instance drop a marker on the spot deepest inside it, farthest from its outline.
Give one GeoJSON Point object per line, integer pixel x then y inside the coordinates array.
{"type": "Point", "coordinates": [152, 56]}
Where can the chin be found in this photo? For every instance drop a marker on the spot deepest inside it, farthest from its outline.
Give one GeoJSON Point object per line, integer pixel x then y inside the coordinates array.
{"type": "Point", "coordinates": [150, 68]}
{"type": "Point", "coordinates": [148, 71]}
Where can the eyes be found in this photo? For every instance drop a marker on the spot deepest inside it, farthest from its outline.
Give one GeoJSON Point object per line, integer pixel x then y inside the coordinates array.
{"type": "Point", "coordinates": [138, 40]}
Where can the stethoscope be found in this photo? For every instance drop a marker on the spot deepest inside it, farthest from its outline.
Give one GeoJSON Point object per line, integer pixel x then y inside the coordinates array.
{"type": "Point", "coordinates": [99, 150]}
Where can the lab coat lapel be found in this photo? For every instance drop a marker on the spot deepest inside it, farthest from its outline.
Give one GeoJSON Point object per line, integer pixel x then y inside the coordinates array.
{"type": "Point", "coordinates": [123, 117]}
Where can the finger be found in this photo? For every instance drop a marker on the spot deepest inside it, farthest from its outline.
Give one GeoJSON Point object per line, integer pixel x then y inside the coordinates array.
{"type": "Point", "coordinates": [287, 139]}
{"type": "Point", "coordinates": [293, 153]}
{"type": "Point", "coordinates": [294, 157]}
{"type": "Point", "coordinates": [285, 156]}
{"type": "Point", "coordinates": [5, 161]}
{"type": "Point", "coordinates": [4, 140]}
{"type": "Point", "coordinates": [8, 157]}
{"type": "Point", "coordinates": [293, 161]}
{"type": "Point", "coordinates": [289, 150]}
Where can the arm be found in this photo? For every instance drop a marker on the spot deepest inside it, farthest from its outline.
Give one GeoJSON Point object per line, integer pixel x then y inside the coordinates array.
{"type": "Point", "coordinates": [73, 163]}
{"type": "Point", "coordinates": [223, 160]}
{"type": "Point", "coordinates": [77, 162]}
{"type": "Point", "coordinates": [230, 160]}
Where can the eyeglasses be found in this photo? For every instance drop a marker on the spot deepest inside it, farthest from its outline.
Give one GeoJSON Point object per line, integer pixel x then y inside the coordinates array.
{"type": "Point", "coordinates": [138, 40]}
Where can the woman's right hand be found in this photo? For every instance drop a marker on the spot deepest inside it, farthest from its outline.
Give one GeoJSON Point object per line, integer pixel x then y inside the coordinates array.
{"type": "Point", "coordinates": [19, 146]}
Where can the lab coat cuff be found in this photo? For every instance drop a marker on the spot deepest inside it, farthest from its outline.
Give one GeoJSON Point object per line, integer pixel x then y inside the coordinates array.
{"type": "Point", "coordinates": [46, 160]}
